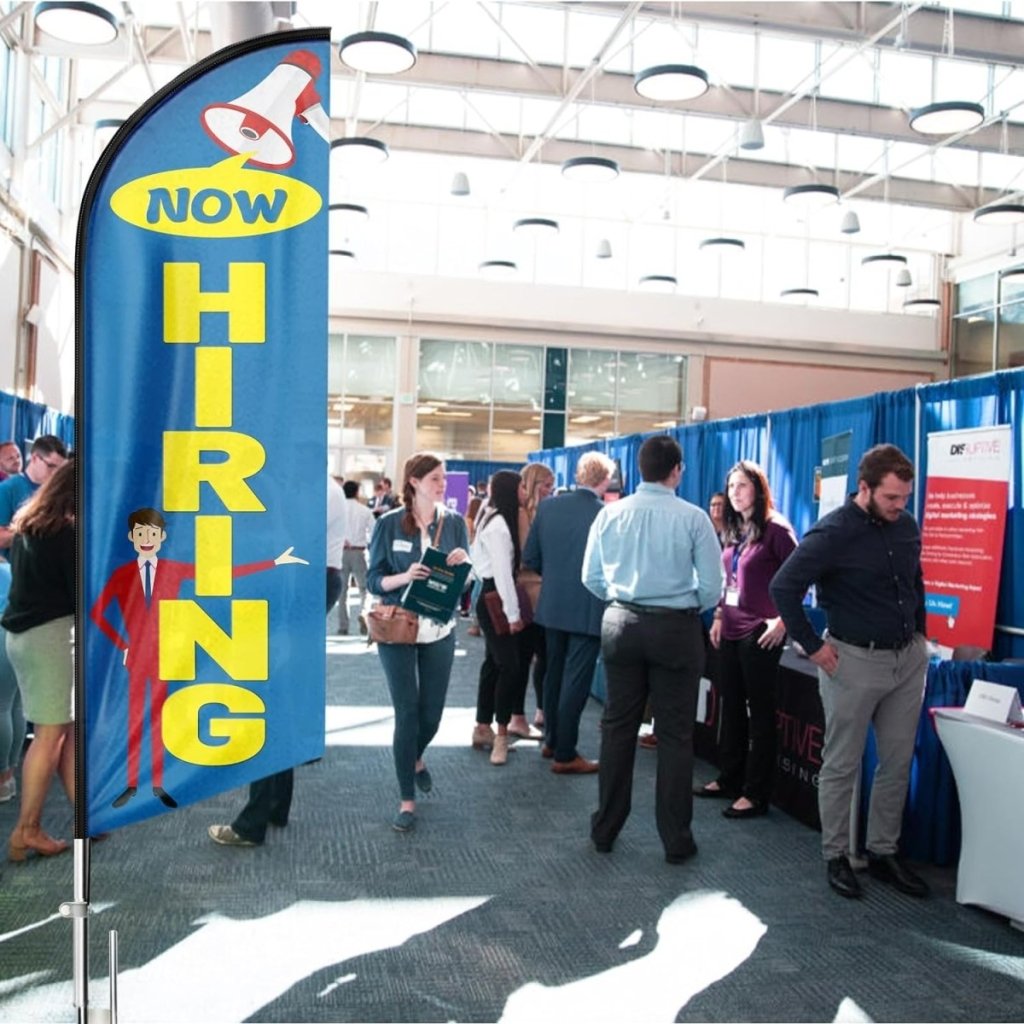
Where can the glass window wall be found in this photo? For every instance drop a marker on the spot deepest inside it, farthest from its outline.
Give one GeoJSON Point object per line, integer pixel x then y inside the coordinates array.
{"type": "Point", "coordinates": [988, 328]}
{"type": "Point", "coordinates": [361, 376]}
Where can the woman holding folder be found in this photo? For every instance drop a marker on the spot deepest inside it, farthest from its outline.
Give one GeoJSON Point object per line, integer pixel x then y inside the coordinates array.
{"type": "Point", "coordinates": [417, 673]}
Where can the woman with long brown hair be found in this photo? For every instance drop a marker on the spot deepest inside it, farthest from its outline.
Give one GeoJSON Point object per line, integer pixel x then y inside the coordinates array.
{"type": "Point", "coordinates": [417, 673]}
{"type": "Point", "coordinates": [538, 483]}
{"type": "Point", "coordinates": [496, 558]}
{"type": "Point", "coordinates": [749, 634]}
{"type": "Point", "coordinates": [39, 621]}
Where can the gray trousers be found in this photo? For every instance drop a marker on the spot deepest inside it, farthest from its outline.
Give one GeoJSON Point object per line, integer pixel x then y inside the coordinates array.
{"type": "Point", "coordinates": [880, 688]}
{"type": "Point", "coordinates": [353, 565]}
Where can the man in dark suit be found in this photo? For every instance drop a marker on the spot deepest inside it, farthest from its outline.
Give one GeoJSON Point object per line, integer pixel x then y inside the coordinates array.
{"type": "Point", "coordinates": [570, 614]}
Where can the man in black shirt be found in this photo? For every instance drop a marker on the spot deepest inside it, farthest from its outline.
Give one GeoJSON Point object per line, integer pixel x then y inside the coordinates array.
{"type": "Point", "coordinates": [865, 559]}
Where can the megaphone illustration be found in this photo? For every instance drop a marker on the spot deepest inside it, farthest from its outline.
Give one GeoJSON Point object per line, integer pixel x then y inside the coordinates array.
{"type": "Point", "coordinates": [259, 122]}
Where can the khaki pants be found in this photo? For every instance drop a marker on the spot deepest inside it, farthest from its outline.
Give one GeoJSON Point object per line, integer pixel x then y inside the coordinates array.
{"type": "Point", "coordinates": [880, 688]}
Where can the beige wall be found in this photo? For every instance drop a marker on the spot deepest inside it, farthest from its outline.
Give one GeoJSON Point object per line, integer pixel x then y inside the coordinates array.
{"type": "Point", "coordinates": [733, 387]}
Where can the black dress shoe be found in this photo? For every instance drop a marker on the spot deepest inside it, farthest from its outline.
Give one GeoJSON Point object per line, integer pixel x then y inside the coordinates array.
{"type": "Point", "coordinates": [888, 868]}
{"type": "Point", "coordinates": [164, 797]}
{"type": "Point", "coordinates": [753, 811]}
{"type": "Point", "coordinates": [683, 856]}
{"type": "Point", "coordinates": [602, 847]}
{"type": "Point", "coordinates": [842, 878]}
{"type": "Point", "coordinates": [125, 797]}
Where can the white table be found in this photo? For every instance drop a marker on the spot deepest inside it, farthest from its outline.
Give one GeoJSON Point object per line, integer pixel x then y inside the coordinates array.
{"type": "Point", "coordinates": [988, 763]}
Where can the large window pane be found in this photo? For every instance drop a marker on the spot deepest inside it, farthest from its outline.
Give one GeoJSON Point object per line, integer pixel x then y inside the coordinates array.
{"type": "Point", "coordinates": [361, 375]}
{"type": "Point", "coordinates": [593, 375]}
{"type": "Point", "coordinates": [455, 371]}
{"type": "Point", "coordinates": [518, 375]}
{"type": "Point", "coordinates": [370, 367]}
{"type": "Point", "coordinates": [460, 433]}
{"type": "Point", "coordinates": [516, 433]}
{"type": "Point", "coordinates": [972, 345]}
{"type": "Point", "coordinates": [654, 384]}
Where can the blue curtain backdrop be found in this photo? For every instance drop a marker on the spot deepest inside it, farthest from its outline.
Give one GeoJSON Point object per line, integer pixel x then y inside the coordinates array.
{"type": "Point", "coordinates": [22, 421]}
{"type": "Point", "coordinates": [477, 469]}
{"type": "Point", "coordinates": [788, 445]}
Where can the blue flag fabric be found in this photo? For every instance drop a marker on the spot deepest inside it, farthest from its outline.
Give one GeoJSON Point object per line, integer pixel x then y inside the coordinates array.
{"type": "Point", "coordinates": [201, 440]}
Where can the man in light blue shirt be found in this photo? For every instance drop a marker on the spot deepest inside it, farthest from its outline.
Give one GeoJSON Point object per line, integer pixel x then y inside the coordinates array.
{"type": "Point", "coordinates": [657, 559]}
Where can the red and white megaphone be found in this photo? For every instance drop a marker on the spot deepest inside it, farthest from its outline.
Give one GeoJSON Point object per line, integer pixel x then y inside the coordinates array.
{"type": "Point", "coordinates": [259, 122]}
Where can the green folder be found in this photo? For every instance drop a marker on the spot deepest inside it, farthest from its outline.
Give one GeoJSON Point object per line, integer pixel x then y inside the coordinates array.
{"type": "Point", "coordinates": [438, 595]}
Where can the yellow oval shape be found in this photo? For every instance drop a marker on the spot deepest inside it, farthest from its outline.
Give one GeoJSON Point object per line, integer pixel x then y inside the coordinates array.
{"type": "Point", "coordinates": [226, 200]}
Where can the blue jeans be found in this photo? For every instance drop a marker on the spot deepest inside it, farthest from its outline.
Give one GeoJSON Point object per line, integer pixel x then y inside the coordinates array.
{"type": "Point", "coordinates": [12, 721]}
{"type": "Point", "coordinates": [417, 676]}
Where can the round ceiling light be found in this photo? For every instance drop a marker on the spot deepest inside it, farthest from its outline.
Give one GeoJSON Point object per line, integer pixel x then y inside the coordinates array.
{"type": "Point", "coordinates": [658, 282]}
{"type": "Point", "coordinates": [357, 154]}
{"type": "Point", "coordinates": [811, 195]}
{"type": "Point", "coordinates": [724, 245]}
{"type": "Point", "coordinates": [922, 305]}
{"type": "Point", "coordinates": [671, 82]}
{"type": "Point", "coordinates": [377, 53]}
{"type": "Point", "coordinates": [498, 269]}
{"type": "Point", "coordinates": [947, 118]}
{"type": "Point", "coordinates": [884, 260]}
{"type": "Point", "coordinates": [1000, 213]}
{"type": "Point", "coordinates": [798, 295]}
{"type": "Point", "coordinates": [536, 226]}
{"type": "Point", "coordinates": [76, 21]}
{"type": "Point", "coordinates": [590, 169]}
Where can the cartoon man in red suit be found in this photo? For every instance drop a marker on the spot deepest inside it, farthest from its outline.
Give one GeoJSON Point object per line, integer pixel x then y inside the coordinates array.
{"type": "Point", "coordinates": [138, 587]}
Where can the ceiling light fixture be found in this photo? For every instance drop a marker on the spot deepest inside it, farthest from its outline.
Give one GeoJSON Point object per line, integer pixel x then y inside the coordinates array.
{"type": "Point", "coordinates": [604, 249]}
{"type": "Point", "coordinates": [536, 226]}
{"type": "Point", "coordinates": [812, 195]}
{"type": "Point", "coordinates": [498, 270]}
{"type": "Point", "coordinates": [357, 154]}
{"type": "Point", "coordinates": [798, 295]}
{"type": "Point", "coordinates": [922, 305]}
{"type": "Point", "coordinates": [103, 130]}
{"type": "Point", "coordinates": [346, 255]}
{"type": "Point", "coordinates": [671, 82]}
{"type": "Point", "coordinates": [851, 223]}
{"type": "Point", "coordinates": [752, 135]}
{"type": "Point", "coordinates": [594, 170]}
{"type": "Point", "coordinates": [884, 259]}
{"type": "Point", "coordinates": [377, 53]}
{"type": "Point", "coordinates": [658, 283]}
{"type": "Point", "coordinates": [460, 184]}
{"type": "Point", "coordinates": [947, 118]}
{"type": "Point", "coordinates": [348, 215]}
{"type": "Point", "coordinates": [1000, 213]}
{"type": "Point", "coordinates": [903, 278]}
{"type": "Point", "coordinates": [752, 132]}
{"type": "Point", "coordinates": [76, 21]}
{"type": "Point", "coordinates": [724, 245]}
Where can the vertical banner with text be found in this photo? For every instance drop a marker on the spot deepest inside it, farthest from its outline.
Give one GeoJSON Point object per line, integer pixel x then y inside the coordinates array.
{"type": "Point", "coordinates": [962, 535]}
{"type": "Point", "coordinates": [201, 332]}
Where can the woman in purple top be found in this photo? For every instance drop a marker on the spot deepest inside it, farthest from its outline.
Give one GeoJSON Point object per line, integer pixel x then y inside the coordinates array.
{"type": "Point", "coordinates": [749, 634]}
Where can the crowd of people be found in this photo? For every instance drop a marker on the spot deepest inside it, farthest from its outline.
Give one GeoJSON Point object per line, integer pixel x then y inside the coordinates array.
{"type": "Point", "coordinates": [649, 582]}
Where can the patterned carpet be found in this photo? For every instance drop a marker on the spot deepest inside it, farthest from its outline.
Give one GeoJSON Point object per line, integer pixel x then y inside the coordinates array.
{"type": "Point", "coordinates": [495, 908]}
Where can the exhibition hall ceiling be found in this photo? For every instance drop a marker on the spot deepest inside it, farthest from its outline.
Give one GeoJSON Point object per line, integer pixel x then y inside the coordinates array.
{"type": "Point", "coordinates": [504, 92]}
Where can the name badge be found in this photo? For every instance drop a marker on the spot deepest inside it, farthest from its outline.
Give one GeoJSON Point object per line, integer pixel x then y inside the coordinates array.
{"type": "Point", "coordinates": [401, 545]}
{"type": "Point", "coordinates": [732, 596]}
